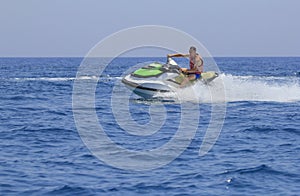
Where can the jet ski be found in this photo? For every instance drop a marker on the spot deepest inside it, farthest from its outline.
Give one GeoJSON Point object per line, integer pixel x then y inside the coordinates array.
{"type": "Point", "coordinates": [157, 78]}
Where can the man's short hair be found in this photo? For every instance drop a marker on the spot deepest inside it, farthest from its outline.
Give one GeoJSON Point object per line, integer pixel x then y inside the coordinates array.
{"type": "Point", "coordinates": [193, 48]}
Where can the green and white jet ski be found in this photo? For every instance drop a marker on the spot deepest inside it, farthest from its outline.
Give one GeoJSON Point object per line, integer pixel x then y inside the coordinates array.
{"type": "Point", "coordinates": [161, 78]}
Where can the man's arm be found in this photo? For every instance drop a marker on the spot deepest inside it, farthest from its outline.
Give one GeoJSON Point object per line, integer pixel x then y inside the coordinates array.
{"type": "Point", "coordinates": [177, 55]}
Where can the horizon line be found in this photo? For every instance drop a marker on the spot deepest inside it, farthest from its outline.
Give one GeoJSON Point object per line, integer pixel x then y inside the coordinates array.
{"type": "Point", "coordinates": [267, 56]}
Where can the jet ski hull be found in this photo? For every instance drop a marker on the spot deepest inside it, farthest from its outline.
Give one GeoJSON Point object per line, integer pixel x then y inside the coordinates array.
{"type": "Point", "coordinates": [146, 90]}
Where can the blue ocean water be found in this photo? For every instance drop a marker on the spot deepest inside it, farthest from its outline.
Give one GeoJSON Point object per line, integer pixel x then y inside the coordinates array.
{"type": "Point", "coordinates": [257, 152]}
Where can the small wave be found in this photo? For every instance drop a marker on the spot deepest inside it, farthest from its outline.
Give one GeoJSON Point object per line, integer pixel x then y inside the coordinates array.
{"type": "Point", "coordinates": [44, 79]}
{"type": "Point", "coordinates": [59, 79]}
{"type": "Point", "coordinates": [70, 190]}
{"type": "Point", "coordinates": [261, 169]}
{"type": "Point", "coordinates": [268, 129]}
{"type": "Point", "coordinates": [52, 79]}
{"type": "Point", "coordinates": [292, 131]}
{"type": "Point", "coordinates": [260, 129]}
{"type": "Point", "coordinates": [28, 130]}
{"type": "Point", "coordinates": [22, 97]}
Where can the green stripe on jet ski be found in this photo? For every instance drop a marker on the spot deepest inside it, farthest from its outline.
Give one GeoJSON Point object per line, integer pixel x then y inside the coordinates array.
{"type": "Point", "coordinates": [152, 70]}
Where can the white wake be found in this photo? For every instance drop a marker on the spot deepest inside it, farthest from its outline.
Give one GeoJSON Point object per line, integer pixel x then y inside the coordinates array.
{"type": "Point", "coordinates": [229, 88]}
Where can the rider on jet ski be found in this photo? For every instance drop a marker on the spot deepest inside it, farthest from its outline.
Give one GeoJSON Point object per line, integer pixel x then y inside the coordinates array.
{"type": "Point", "coordinates": [196, 65]}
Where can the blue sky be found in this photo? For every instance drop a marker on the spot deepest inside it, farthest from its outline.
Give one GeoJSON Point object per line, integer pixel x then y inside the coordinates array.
{"type": "Point", "coordinates": [225, 27]}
